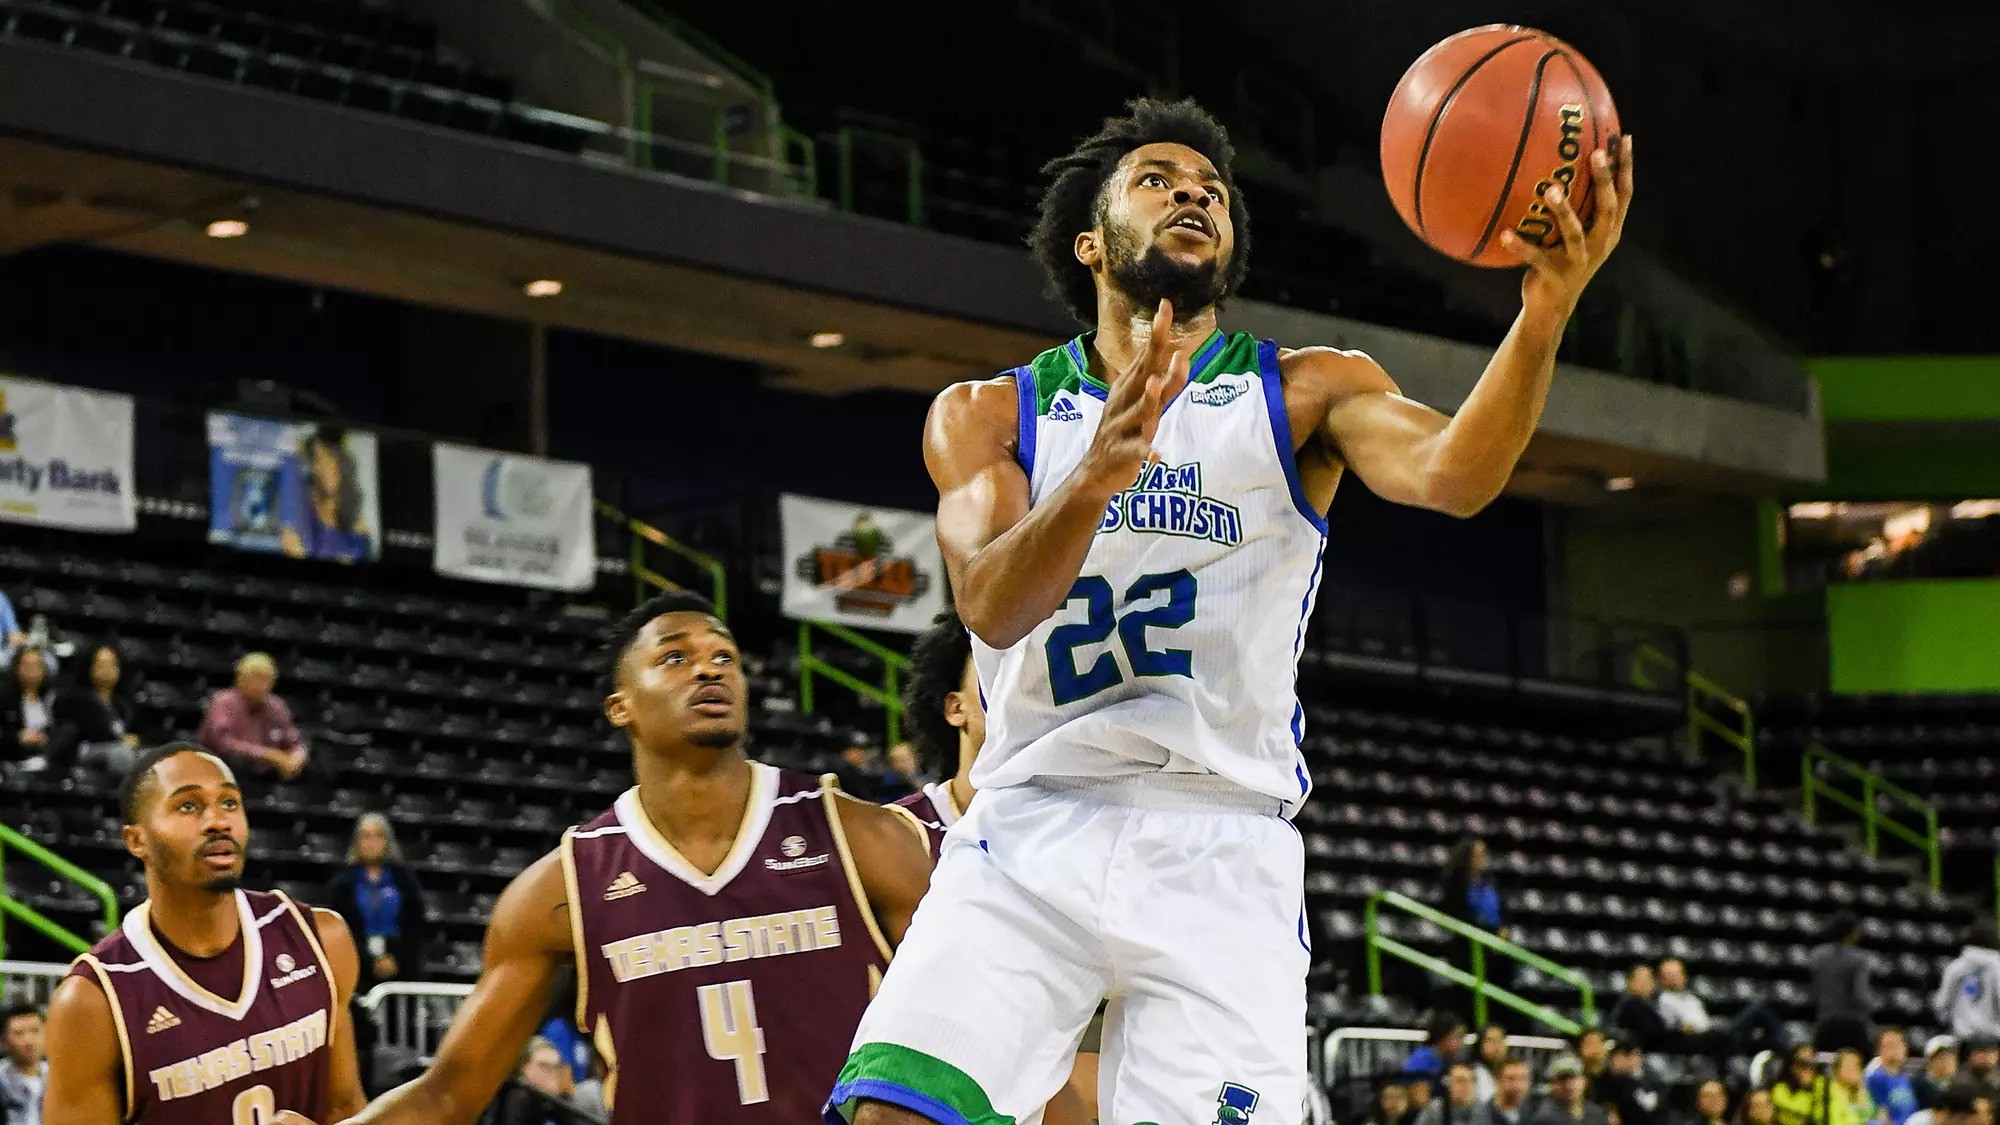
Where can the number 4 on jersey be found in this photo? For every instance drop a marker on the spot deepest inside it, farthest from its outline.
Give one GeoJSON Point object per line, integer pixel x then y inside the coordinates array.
{"type": "Point", "coordinates": [729, 1030]}
{"type": "Point", "coordinates": [1068, 684]}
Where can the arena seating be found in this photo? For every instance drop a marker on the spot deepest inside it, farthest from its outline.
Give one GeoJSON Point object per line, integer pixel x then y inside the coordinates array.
{"type": "Point", "coordinates": [357, 54]}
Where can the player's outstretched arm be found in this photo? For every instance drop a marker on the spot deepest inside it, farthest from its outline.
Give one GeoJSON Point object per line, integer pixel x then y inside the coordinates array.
{"type": "Point", "coordinates": [1011, 567]}
{"type": "Point", "coordinates": [348, 1098]}
{"type": "Point", "coordinates": [893, 857]}
{"type": "Point", "coordinates": [86, 1072]}
{"type": "Point", "coordinates": [1409, 454]}
{"type": "Point", "coordinates": [527, 941]}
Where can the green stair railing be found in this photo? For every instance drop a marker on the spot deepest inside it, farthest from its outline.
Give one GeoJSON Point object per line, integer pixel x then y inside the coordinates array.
{"type": "Point", "coordinates": [35, 919]}
{"type": "Point", "coordinates": [1814, 788]}
{"type": "Point", "coordinates": [1738, 730]}
{"type": "Point", "coordinates": [646, 579]}
{"type": "Point", "coordinates": [886, 693]}
{"type": "Point", "coordinates": [1479, 941]}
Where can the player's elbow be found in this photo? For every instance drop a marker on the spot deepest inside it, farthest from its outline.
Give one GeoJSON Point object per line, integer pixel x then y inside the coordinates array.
{"type": "Point", "coordinates": [1457, 494]}
{"type": "Point", "coordinates": [989, 623]}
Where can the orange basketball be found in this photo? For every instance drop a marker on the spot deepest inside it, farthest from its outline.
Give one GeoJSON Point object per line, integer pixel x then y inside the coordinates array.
{"type": "Point", "coordinates": [1478, 129]}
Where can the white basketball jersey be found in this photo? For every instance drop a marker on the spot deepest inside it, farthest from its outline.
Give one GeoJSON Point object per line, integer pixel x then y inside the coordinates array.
{"type": "Point", "coordinates": [1177, 649]}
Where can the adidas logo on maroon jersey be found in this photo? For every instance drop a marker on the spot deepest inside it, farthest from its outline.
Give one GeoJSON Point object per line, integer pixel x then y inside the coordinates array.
{"type": "Point", "coordinates": [162, 1020]}
{"type": "Point", "coordinates": [624, 886]}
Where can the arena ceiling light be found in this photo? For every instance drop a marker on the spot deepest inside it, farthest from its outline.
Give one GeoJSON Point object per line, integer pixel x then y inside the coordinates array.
{"type": "Point", "coordinates": [543, 287]}
{"type": "Point", "coordinates": [825, 340]}
{"type": "Point", "coordinates": [228, 228]}
{"type": "Point", "coordinates": [1621, 484]}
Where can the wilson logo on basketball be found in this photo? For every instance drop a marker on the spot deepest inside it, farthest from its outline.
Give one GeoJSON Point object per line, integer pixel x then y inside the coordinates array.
{"type": "Point", "coordinates": [1538, 227]}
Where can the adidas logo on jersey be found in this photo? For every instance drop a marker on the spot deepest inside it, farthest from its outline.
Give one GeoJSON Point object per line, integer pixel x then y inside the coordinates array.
{"type": "Point", "coordinates": [1063, 409]}
{"type": "Point", "coordinates": [161, 1021]}
{"type": "Point", "coordinates": [624, 886]}
{"type": "Point", "coordinates": [1218, 394]}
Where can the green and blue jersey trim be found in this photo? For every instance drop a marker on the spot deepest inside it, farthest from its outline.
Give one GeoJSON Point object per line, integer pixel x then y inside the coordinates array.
{"type": "Point", "coordinates": [912, 1080]}
{"type": "Point", "coordinates": [1027, 410]}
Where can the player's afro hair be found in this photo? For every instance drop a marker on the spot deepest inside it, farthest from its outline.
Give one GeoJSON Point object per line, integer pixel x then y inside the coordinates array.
{"type": "Point", "coordinates": [937, 668]}
{"type": "Point", "coordinates": [1074, 200]}
{"type": "Point", "coordinates": [626, 630]}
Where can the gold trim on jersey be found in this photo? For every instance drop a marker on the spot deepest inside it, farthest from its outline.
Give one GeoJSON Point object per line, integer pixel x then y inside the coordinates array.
{"type": "Point", "coordinates": [574, 904]}
{"type": "Point", "coordinates": [911, 822]}
{"type": "Point", "coordinates": [945, 790]}
{"type": "Point", "coordinates": [608, 1051]}
{"type": "Point", "coordinates": [118, 1022]}
{"type": "Point", "coordinates": [138, 929]}
{"type": "Point", "coordinates": [749, 833]}
{"type": "Point", "coordinates": [830, 793]}
{"type": "Point", "coordinates": [325, 965]}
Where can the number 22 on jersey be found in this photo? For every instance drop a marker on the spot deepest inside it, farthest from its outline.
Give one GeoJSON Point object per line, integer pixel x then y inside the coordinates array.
{"type": "Point", "coordinates": [1155, 601]}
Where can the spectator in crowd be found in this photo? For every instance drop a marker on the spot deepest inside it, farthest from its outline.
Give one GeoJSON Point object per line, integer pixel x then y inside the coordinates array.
{"type": "Point", "coordinates": [26, 709]}
{"type": "Point", "coordinates": [252, 726]}
{"type": "Point", "coordinates": [1940, 1067]}
{"type": "Point", "coordinates": [905, 776]}
{"type": "Point", "coordinates": [1757, 1109]}
{"type": "Point", "coordinates": [1392, 1102]}
{"type": "Point", "coordinates": [1843, 988]}
{"type": "Point", "coordinates": [1954, 1107]}
{"type": "Point", "coordinates": [1488, 1057]}
{"type": "Point", "coordinates": [858, 773]}
{"type": "Point", "coordinates": [383, 904]}
{"type": "Point", "coordinates": [1469, 895]}
{"type": "Point", "coordinates": [589, 1093]}
{"type": "Point", "coordinates": [1968, 998]}
{"type": "Point", "coordinates": [24, 1072]}
{"type": "Point", "coordinates": [1887, 1083]}
{"type": "Point", "coordinates": [1460, 1101]}
{"type": "Point", "coordinates": [1848, 1100]}
{"type": "Point", "coordinates": [1980, 1070]}
{"type": "Point", "coordinates": [1635, 1014]}
{"type": "Point", "coordinates": [94, 720]}
{"type": "Point", "coordinates": [541, 1068]}
{"type": "Point", "coordinates": [1509, 1104]}
{"type": "Point", "coordinates": [1446, 1045]}
{"type": "Point", "coordinates": [1419, 1093]}
{"type": "Point", "coordinates": [1752, 1029]}
{"type": "Point", "coordinates": [1566, 1103]}
{"type": "Point", "coordinates": [1592, 1050]}
{"type": "Point", "coordinates": [1711, 1104]}
{"type": "Point", "coordinates": [1798, 1097]}
{"type": "Point", "coordinates": [1627, 1090]}
{"type": "Point", "coordinates": [1982, 1111]}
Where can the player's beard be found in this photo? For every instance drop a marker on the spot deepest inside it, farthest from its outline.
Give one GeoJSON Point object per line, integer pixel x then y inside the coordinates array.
{"type": "Point", "coordinates": [1147, 276]}
{"type": "Point", "coordinates": [718, 738]}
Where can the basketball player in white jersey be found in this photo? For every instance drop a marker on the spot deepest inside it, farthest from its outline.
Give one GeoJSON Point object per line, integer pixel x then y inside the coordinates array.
{"type": "Point", "coordinates": [1133, 524]}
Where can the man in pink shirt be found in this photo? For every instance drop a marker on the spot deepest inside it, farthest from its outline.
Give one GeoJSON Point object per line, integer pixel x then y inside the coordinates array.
{"type": "Point", "coordinates": [250, 724]}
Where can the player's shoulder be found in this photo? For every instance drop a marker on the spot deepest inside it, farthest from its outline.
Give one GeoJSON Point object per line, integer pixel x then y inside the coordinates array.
{"type": "Point", "coordinates": [995, 400]}
{"type": "Point", "coordinates": [862, 819]}
{"type": "Point", "coordinates": [1341, 370]}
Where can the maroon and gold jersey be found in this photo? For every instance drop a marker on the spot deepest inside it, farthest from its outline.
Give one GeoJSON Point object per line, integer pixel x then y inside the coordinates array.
{"type": "Point", "coordinates": [731, 996]}
{"type": "Point", "coordinates": [935, 810]}
{"type": "Point", "coordinates": [224, 1040]}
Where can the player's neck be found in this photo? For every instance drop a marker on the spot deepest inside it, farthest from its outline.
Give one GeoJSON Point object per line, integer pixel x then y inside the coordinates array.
{"type": "Point", "coordinates": [1123, 330]}
{"type": "Point", "coordinates": [196, 921]}
{"type": "Point", "coordinates": [961, 782]}
{"type": "Point", "coordinates": [694, 795]}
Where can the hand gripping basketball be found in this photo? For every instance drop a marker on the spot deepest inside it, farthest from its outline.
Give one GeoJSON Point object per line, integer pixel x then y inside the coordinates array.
{"type": "Point", "coordinates": [1557, 274]}
{"type": "Point", "coordinates": [1123, 444]}
{"type": "Point", "coordinates": [291, 1117]}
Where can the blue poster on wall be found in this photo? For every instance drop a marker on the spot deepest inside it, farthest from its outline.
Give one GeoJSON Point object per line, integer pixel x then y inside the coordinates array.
{"type": "Point", "coordinates": [303, 489]}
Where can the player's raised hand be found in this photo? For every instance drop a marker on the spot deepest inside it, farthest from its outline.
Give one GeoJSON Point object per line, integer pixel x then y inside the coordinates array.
{"type": "Point", "coordinates": [291, 1117]}
{"type": "Point", "coordinates": [1124, 441]}
{"type": "Point", "coordinates": [1557, 274]}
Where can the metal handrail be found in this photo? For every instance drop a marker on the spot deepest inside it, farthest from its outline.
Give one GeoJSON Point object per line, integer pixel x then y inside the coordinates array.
{"type": "Point", "coordinates": [1482, 989]}
{"type": "Point", "coordinates": [1702, 691]}
{"type": "Point", "coordinates": [886, 694]}
{"type": "Point", "coordinates": [643, 575]}
{"type": "Point", "coordinates": [1813, 788]}
{"type": "Point", "coordinates": [40, 922]}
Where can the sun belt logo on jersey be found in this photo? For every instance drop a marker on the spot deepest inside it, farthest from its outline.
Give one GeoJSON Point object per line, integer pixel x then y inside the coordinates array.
{"type": "Point", "coordinates": [1218, 393]}
{"type": "Point", "coordinates": [1235, 1104]}
{"type": "Point", "coordinates": [285, 963]}
{"type": "Point", "coordinates": [1063, 409]}
{"type": "Point", "coordinates": [1167, 500]}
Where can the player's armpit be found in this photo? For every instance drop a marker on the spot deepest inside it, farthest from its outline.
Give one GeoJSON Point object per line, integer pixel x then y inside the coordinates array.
{"type": "Point", "coordinates": [86, 1083]}
{"type": "Point", "coordinates": [1392, 443]}
{"type": "Point", "coordinates": [348, 1097]}
{"type": "Point", "coordinates": [893, 862]}
{"type": "Point", "coordinates": [527, 941]}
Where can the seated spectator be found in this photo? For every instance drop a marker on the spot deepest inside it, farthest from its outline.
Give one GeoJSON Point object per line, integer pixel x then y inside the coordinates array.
{"type": "Point", "coordinates": [541, 1068]}
{"type": "Point", "coordinates": [1460, 1101]}
{"type": "Point", "coordinates": [1392, 1103]}
{"type": "Point", "coordinates": [905, 777]}
{"type": "Point", "coordinates": [1446, 1046]}
{"type": "Point", "coordinates": [1489, 1055]}
{"type": "Point", "coordinates": [1636, 1014]}
{"type": "Point", "coordinates": [1979, 1074]}
{"type": "Point", "coordinates": [1592, 1050]}
{"type": "Point", "coordinates": [1750, 1030]}
{"type": "Point", "coordinates": [251, 726]}
{"type": "Point", "coordinates": [1843, 989]}
{"type": "Point", "coordinates": [1968, 998]}
{"type": "Point", "coordinates": [1566, 1104]}
{"type": "Point", "coordinates": [1469, 894]}
{"type": "Point", "coordinates": [1419, 1094]}
{"type": "Point", "coordinates": [1940, 1068]}
{"type": "Point", "coordinates": [1757, 1109]}
{"type": "Point", "coordinates": [383, 904]}
{"type": "Point", "coordinates": [94, 720]}
{"type": "Point", "coordinates": [857, 770]}
{"type": "Point", "coordinates": [1954, 1107]}
{"type": "Point", "coordinates": [1887, 1084]}
{"type": "Point", "coordinates": [25, 710]}
{"type": "Point", "coordinates": [1798, 1097]}
{"type": "Point", "coordinates": [24, 1072]}
{"type": "Point", "coordinates": [1627, 1091]}
{"type": "Point", "coordinates": [1848, 1100]}
{"type": "Point", "coordinates": [1711, 1104]}
{"type": "Point", "coordinates": [1509, 1105]}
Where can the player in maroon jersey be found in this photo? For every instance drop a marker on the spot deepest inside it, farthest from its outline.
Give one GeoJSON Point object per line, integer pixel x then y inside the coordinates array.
{"type": "Point", "coordinates": [210, 1005]}
{"type": "Point", "coordinates": [947, 723]}
{"type": "Point", "coordinates": [727, 920]}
